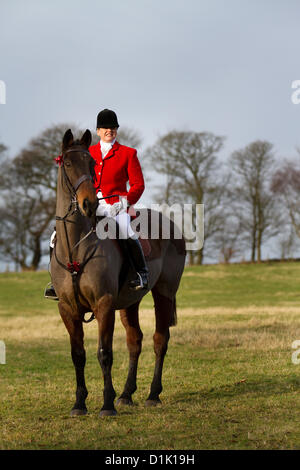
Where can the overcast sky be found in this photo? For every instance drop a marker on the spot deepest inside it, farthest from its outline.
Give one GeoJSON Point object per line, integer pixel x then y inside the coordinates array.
{"type": "Point", "coordinates": [224, 66]}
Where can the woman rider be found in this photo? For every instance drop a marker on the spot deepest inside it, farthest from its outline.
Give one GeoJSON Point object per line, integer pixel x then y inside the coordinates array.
{"type": "Point", "coordinates": [115, 165]}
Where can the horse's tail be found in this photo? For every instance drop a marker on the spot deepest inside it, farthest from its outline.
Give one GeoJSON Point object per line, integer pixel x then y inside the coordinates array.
{"type": "Point", "coordinates": [173, 319]}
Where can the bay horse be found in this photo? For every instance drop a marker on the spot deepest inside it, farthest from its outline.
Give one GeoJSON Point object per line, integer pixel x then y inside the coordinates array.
{"type": "Point", "coordinates": [86, 272]}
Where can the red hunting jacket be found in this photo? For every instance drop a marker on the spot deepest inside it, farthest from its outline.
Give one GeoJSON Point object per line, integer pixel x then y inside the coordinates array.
{"type": "Point", "coordinates": [121, 165]}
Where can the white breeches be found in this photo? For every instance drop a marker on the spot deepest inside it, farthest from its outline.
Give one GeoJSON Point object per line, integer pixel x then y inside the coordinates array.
{"type": "Point", "coordinates": [123, 219]}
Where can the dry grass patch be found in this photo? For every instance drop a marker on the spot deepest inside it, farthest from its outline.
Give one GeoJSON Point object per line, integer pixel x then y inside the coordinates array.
{"type": "Point", "coordinates": [208, 274]}
{"type": "Point", "coordinates": [251, 327]}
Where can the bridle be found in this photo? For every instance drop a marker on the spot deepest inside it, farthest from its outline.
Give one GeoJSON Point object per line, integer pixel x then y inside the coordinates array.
{"type": "Point", "coordinates": [73, 199]}
{"type": "Point", "coordinates": [72, 188]}
{"type": "Point", "coordinates": [74, 267]}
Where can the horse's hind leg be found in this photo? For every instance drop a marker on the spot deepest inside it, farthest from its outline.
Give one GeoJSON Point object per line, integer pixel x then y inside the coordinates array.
{"type": "Point", "coordinates": [130, 320]}
{"type": "Point", "coordinates": [164, 313]}
{"type": "Point", "coordinates": [75, 329]}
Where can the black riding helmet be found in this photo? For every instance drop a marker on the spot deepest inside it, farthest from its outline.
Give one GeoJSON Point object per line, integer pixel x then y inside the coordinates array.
{"type": "Point", "coordinates": [107, 119]}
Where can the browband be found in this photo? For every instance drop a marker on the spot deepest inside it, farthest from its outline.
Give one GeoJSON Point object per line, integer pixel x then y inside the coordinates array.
{"type": "Point", "coordinates": [74, 150]}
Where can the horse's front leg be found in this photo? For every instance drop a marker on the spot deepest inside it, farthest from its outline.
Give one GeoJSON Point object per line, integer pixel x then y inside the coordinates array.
{"type": "Point", "coordinates": [105, 316]}
{"type": "Point", "coordinates": [130, 320]}
{"type": "Point", "coordinates": [75, 329]}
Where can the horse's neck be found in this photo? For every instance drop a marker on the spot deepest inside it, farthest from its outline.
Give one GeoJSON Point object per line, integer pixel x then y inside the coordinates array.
{"type": "Point", "coordinates": [74, 227]}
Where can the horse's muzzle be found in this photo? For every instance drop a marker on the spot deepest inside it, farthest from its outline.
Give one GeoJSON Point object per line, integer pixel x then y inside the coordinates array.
{"type": "Point", "coordinates": [89, 208]}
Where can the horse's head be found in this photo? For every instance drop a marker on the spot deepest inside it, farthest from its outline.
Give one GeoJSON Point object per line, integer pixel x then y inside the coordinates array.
{"type": "Point", "coordinates": [78, 171]}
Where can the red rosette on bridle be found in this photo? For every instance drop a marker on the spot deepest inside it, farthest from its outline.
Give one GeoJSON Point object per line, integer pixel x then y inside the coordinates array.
{"type": "Point", "coordinates": [59, 160]}
{"type": "Point", "coordinates": [73, 267]}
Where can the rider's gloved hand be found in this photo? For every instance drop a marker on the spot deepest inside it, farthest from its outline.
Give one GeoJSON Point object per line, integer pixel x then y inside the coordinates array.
{"type": "Point", "coordinates": [117, 207]}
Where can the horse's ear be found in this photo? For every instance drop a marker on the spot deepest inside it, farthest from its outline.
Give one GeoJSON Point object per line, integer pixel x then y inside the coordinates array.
{"type": "Point", "coordinates": [86, 139]}
{"type": "Point", "coordinates": [68, 139]}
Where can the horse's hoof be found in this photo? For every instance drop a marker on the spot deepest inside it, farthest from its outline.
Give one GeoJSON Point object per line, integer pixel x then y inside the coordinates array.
{"type": "Point", "coordinates": [107, 413]}
{"type": "Point", "coordinates": [125, 401]}
{"type": "Point", "coordinates": [78, 412]}
{"type": "Point", "coordinates": [153, 402]}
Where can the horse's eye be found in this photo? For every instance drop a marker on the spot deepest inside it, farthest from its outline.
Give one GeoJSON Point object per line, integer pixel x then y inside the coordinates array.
{"type": "Point", "coordinates": [68, 164]}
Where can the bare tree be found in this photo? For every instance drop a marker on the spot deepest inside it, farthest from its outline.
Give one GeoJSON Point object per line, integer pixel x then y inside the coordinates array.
{"type": "Point", "coordinates": [228, 243]}
{"type": "Point", "coordinates": [27, 189]}
{"type": "Point", "coordinates": [288, 243]}
{"type": "Point", "coordinates": [189, 162]}
{"type": "Point", "coordinates": [253, 202]}
{"type": "Point", "coordinates": [130, 137]}
{"type": "Point", "coordinates": [286, 186]}
{"type": "Point", "coordinates": [3, 149]}
{"type": "Point", "coordinates": [24, 226]}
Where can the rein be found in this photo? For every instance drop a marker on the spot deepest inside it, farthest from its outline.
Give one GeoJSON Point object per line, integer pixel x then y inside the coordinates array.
{"type": "Point", "coordinates": [74, 267]}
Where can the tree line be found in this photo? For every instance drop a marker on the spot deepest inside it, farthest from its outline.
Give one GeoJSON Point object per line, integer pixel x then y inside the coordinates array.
{"type": "Point", "coordinates": [249, 199]}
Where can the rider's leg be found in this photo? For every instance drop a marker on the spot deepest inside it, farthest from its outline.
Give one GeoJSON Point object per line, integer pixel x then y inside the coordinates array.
{"type": "Point", "coordinates": [133, 247]}
{"type": "Point", "coordinates": [134, 250]}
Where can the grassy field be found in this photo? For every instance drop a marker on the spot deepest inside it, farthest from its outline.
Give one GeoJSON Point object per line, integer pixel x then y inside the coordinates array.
{"type": "Point", "coordinates": [229, 382]}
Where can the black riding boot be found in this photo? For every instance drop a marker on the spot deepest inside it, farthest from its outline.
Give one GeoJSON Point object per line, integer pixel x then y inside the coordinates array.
{"type": "Point", "coordinates": [50, 291]}
{"type": "Point", "coordinates": [138, 260]}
